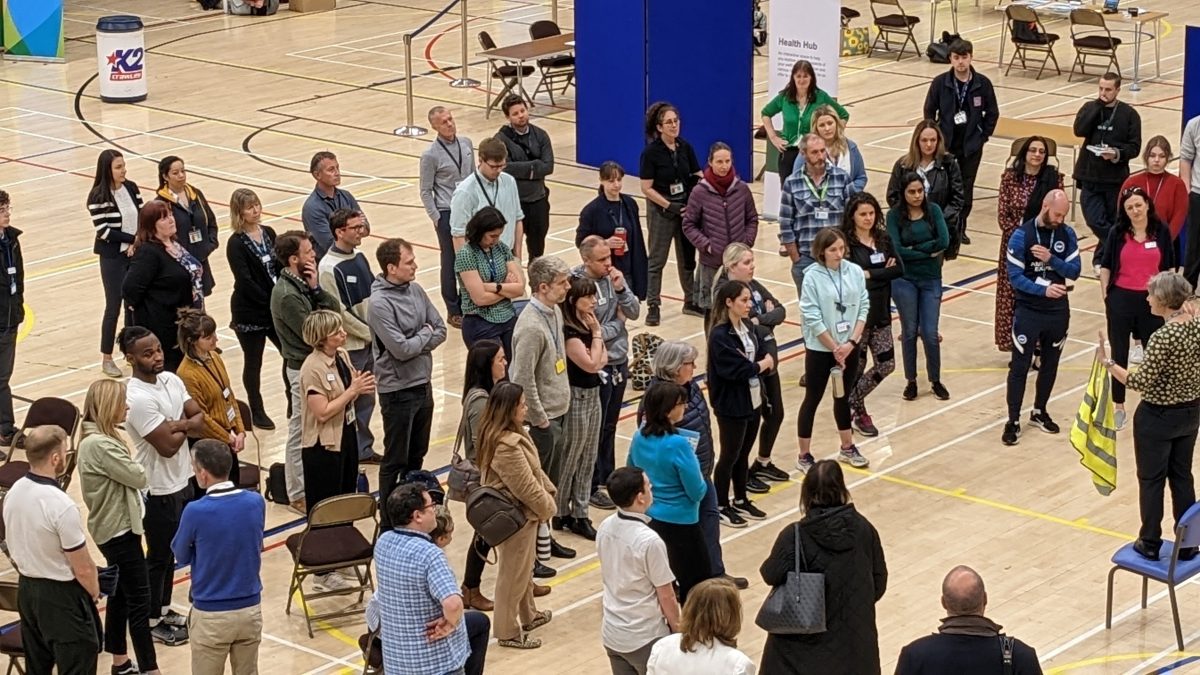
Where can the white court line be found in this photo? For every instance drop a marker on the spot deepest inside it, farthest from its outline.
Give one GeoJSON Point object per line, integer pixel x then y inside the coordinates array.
{"type": "Point", "coordinates": [989, 323]}
{"type": "Point", "coordinates": [983, 292]}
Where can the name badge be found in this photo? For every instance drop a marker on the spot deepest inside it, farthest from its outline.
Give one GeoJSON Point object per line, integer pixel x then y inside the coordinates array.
{"type": "Point", "coordinates": [560, 366]}
{"type": "Point", "coordinates": [1041, 281]}
{"type": "Point", "coordinates": [330, 376]}
{"type": "Point", "coordinates": [1149, 244]}
{"type": "Point", "coordinates": [842, 326]}
{"type": "Point", "coordinates": [977, 101]}
{"type": "Point", "coordinates": [676, 188]}
{"type": "Point", "coordinates": [877, 258]}
{"type": "Point", "coordinates": [266, 258]}
{"type": "Point", "coordinates": [351, 279]}
{"type": "Point", "coordinates": [230, 414]}
{"type": "Point", "coordinates": [821, 214]}
{"type": "Point", "coordinates": [601, 299]}
{"type": "Point", "coordinates": [195, 236]}
{"type": "Point", "coordinates": [225, 392]}
{"type": "Point", "coordinates": [960, 117]}
{"type": "Point", "coordinates": [350, 418]}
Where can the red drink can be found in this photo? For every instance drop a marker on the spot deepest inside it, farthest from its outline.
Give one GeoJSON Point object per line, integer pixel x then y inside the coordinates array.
{"type": "Point", "coordinates": [621, 234]}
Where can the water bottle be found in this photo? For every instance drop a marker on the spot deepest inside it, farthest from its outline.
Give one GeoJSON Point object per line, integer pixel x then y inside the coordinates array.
{"type": "Point", "coordinates": [839, 388]}
{"type": "Point", "coordinates": [364, 485]}
{"type": "Point", "coordinates": [543, 542]}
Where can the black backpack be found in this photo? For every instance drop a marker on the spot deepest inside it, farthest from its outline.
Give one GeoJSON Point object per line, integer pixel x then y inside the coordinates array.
{"type": "Point", "coordinates": [939, 52]}
{"type": "Point", "coordinates": [277, 485]}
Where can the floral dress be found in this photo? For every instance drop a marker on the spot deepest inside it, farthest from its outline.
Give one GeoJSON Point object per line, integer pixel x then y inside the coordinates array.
{"type": "Point", "coordinates": [1015, 191]}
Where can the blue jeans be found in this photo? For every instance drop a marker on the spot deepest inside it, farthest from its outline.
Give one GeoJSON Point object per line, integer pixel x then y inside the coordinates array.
{"type": "Point", "coordinates": [710, 522]}
{"type": "Point", "coordinates": [919, 303]}
{"type": "Point", "coordinates": [798, 268]}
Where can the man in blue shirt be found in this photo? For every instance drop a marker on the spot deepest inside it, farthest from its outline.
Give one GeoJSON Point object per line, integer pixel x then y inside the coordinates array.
{"type": "Point", "coordinates": [1042, 255]}
{"type": "Point", "coordinates": [326, 198]}
{"type": "Point", "coordinates": [813, 198]}
{"type": "Point", "coordinates": [423, 631]}
{"type": "Point", "coordinates": [221, 536]}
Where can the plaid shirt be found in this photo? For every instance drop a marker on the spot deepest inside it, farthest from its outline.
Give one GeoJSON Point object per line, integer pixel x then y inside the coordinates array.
{"type": "Point", "coordinates": [799, 205]}
{"type": "Point", "coordinates": [414, 578]}
{"type": "Point", "coordinates": [492, 266]}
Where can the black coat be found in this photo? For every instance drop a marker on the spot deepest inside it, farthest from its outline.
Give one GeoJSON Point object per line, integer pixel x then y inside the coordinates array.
{"type": "Point", "coordinates": [879, 285]}
{"type": "Point", "coordinates": [12, 305]}
{"type": "Point", "coordinates": [843, 545]}
{"type": "Point", "coordinates": [156, 287]}
{"type": "Point", "coordinates": [945, 187]}
{"type": "Point", "coordinates": [594, 219]}
{"type": "Point", "coordinates": [983, 112]}
{"type": "Point", "coordinates": [729, 371]}
{"type": "Point", "coordinates": [946, 654]}
{"type": "Point", "coordinates": [250, 304]}
{"type": "Point", "coordinates": [1119, 127]}
{"type": "Point", "coordinates": [197, 221]}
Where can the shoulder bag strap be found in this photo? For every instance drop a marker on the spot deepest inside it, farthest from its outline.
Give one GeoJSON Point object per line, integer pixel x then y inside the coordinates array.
{"type": "Point", "coordinates": [462, 424]}
{"type": "Point", "coordinates": [801, 566]}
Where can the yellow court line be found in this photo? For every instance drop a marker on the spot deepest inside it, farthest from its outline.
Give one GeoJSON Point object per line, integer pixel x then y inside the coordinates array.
{"type": "Point", "coordinates": [327, 627]}
{"type": "Point", "coordinates": [1115, 658]}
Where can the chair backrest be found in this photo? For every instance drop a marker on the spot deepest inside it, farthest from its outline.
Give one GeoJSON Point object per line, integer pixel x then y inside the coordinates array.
{"type": "Point", "coordinates": [53, 410]}
{"type": "Point", "coordinates": [486, 41]}
{"type": "Point", "coordinates": [1051, 147]}
{"type": "Point", "coordinates": [244, 411]}
{"type": "Point", "coordinates": [890, 3]}
{"type": "Point", "coordinates": [1089, 19]}
{"type": "Point", "coordinates": [8, 596]}
{"type": "Point", "coordinates": [1021, 13]}
{"type": "Point", "coordinates": [543, 29]}
{"type": "Point", "coordinates": [1187, 532]}
{"type": "Point", "coordinates": [343, 510]}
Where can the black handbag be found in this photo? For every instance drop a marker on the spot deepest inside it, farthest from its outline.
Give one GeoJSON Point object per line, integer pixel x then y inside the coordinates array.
{"type": "Point", "coordinates": [798, 606]}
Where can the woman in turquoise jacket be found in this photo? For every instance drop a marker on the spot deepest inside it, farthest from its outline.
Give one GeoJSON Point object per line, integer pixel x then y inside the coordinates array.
{"type": "Point", "coordinates": [833, 306]}
{"type": "Point", "coordinates": [797, 102]}
{"type": "Point", "coordinates": [667, 456]}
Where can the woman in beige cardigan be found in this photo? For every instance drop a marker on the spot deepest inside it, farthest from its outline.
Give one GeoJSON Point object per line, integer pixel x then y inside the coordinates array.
{"type": "Point", "coordinates": [508, 461]}
{"type": "Point", "coordinates": [111, 481]}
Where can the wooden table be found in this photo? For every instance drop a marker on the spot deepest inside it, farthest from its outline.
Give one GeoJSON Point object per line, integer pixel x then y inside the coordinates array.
{"type": "Point", "coordinates": [1011, 128]}
{"type": "Point", "coordinates": [1139, 22]}
{"type": "Point", "coordinates": [533, 50]}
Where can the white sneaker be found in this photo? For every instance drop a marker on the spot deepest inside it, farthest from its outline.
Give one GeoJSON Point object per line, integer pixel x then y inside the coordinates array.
{"type": "Point", "coordinates": [323, 583]}
{"type": "Point", "coordinates": [1119, 418]}
{"type": "Point", "coordinates": [1136, 354]}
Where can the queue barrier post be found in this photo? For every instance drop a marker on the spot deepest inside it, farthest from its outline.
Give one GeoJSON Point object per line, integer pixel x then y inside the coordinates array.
{"type": "Point", "coordinates": [465, 81]}
{"type": "Point", "coordinates": [409, 130]}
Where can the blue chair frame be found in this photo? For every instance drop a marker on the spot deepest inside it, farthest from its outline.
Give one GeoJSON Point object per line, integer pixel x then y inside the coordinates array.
{"type": "Point", "coordinates": [1170, 571]}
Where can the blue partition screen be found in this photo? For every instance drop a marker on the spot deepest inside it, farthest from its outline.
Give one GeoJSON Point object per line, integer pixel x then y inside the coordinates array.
{"type": "Point", "coordinates": [1191, 74]}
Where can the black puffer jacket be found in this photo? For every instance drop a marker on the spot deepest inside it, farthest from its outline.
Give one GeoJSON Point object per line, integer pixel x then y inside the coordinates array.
{"type": "Point", "coordinates": [843, 545]}
{"type": "Point", "coordinates": [695, 418]}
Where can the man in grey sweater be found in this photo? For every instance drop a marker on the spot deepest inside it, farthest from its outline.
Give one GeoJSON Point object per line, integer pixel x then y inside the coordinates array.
{"type": "Point", "coordinates": [539, 365]}
{"type": "Point", "coordinates": [407, 328]}
{"type": "Point", "coordinates": [530, 160]}
{"type": "Point", "coordinates": [447, 161]}
{"type": "Point", "coordinates": [615, 304]}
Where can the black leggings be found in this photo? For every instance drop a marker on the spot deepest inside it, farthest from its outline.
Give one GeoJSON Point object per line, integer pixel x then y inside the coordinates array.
{"type": "Point", "coordinates": [476, 559]}
{"type": "Point", "coordinates": [737, 437]}
{"type": "Point", "coordinates": [129, 607]}
{"type": "Point", "coordinates": [772, 413]}
{"type": "Point", "coordinates": [687, 553]}
{"type": "Point", "coordinates": [1127, 313]}
{"type": "Point", "coordinates": [817, 365]}
{"type": "Point", "coordinates": [112, 277]}
{"type": "Point", "coordinates": [253, 346]}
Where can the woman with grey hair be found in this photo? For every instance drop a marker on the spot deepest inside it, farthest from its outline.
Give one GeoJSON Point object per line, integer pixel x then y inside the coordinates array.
{"type": "Point", "coordinates": [675, 361]}
{"type": "Point", "coordinates": [1166, 421]}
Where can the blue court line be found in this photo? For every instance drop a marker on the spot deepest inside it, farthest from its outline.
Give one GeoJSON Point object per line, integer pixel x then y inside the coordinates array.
{"type": "Point", "coordinates": [1178, 664]}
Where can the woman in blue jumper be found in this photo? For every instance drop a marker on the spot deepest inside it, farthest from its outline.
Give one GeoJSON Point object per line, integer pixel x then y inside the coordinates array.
{"type": "Point", "coordinates": [666, 455]}
{"type": "Point", "coordinates": [833, 305]}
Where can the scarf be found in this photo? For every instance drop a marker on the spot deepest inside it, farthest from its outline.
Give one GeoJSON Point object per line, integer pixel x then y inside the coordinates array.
{"type": "Point", "coordinates": [975, 625]}
{"type": "Point", "coordinates": [720, 183]}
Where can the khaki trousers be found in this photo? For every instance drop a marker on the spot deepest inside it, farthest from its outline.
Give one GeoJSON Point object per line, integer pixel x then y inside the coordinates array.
{"type": "Point", "coordinates": [514, 583]}
{"type": "Point", "coordinates": [215, 636]}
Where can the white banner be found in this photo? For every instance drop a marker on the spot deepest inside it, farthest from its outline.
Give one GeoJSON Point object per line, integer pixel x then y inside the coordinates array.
{"type": "Point", "coordinates": [810, 31]}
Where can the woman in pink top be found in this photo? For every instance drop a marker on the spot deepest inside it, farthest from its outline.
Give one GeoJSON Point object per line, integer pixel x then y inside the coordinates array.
{"type": "Point", "coordinates": [1168, 191]}
{"type": "Point", "coordinates": [1138, 247]}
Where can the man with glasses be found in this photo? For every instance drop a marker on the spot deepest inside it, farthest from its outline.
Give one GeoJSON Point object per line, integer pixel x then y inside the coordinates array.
{"type": "Point", "coordinates": [12, 314]}
{"type": "Point", "coordinates": [448, 161]}
{"type": "Point", "coordinates": [489, 186]}
{"type": "Point", "coordinates": [326, 198]}
{"type": "Point", "coordinates": [347, 274]}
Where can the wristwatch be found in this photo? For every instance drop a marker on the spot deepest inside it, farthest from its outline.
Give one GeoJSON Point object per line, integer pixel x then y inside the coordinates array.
{"type": "Point", "coordinates": [498, 287]}
{"type": "Point", "coordinates": [853, 342]}
{"type": "Point", "coordinates": [1109, 363]}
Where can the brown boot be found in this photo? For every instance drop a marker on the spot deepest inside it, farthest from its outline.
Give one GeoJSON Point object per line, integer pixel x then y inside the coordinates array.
{"type": "Point", "coordinates": [477, 600]}
{"type": "Point", "coordinates": [540, 590]}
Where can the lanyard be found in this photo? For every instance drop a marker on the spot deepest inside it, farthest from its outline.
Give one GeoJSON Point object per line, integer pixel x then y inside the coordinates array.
{"type": "Point", "coordinates": [839, 285]}
{"type": "Point", "coordinates": [618, 220]}
{"type": "Point", "coordinates": [405, 532]}
{"type": "Point", "coordinates": [491, 261]}
{"type": "Point", "coordinates": [491, 201]}
{"type": "Point", "coordinates": [1049, 247]}
{"type": "Point", "coordinates": [215, 376]}
{"type": "Point", "coordinates": [961, 89]}
{"type": "Point", "coordinates": [457, 160]}
{"type": "Point", "coordinates": [553, 333]}
{"type": "Point", "coordinates": [813, 188]}
{"type": "Point", "coordinates": [1162, 179]}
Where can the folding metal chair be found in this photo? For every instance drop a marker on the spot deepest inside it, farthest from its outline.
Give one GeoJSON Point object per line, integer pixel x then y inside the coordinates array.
{"type": "Point", "coordinates": [1037, 40]}
{"type": "Point", "coordinates": [555, 69]}
{"type": "Point", "coordinates": [1086, 26]}
{"type": "Point", "coordinates": [506, 73]}
{"type": "Point", "coordinates": [899, 23]}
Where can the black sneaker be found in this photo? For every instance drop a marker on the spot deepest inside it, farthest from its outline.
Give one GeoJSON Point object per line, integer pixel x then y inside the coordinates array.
{"type": "Point", "coordinates": [910, 391]}
{"type": "Point", "coordinates": [127, 668]}
{"type": "Point", "coordinates": [1145, 551]}
{"type": "Point", "coordinates": [964, 239]}
{"type": "Point", "coordinates": [601, 500]}
{"type": "Point", "coordinates": [652, 317]}
{"type": "Point", "coordinates": [742, 583]}
{"type": "Point", "coordinates": [169, 635]}
{"type": "Point", "coordinates": [542, 571]}
{"type": "Point", "coordinates": [747, 509]}
{"type": "Point", "coordinates": [939, 391]}
{"type": "Point", "coordinates": [1041, 420]}
{"type": "Point", "coordinates": [692, 309]}
{"type": "Point", "coordinates": [731, 518]}
{"type": "Point", "coordinates": [768, 472]}
{"type": "Point", "coordinates": [1012, 432]}
{"type": "Point", "coordinates": [173, 618]}
{"type": "Point", "coordinates": [756, 486]}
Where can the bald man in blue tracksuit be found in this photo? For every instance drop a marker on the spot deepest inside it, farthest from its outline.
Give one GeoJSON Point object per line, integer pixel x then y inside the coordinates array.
{"type": "Point", "coordinates": [1042, 255]}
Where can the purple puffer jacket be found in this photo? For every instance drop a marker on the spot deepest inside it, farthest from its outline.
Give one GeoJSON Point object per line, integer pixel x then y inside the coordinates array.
{"type": "Point", "coordinates": [712, 222]}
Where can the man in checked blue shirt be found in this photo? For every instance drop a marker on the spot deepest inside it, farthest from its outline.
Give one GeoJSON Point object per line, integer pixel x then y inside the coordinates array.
{"type": "Point", "coordinates": [423, 631]}
{"type": "Point", "coordinates": [814, 197]}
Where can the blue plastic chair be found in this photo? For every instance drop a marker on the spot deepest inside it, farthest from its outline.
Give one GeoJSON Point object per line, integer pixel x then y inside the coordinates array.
{"type": "Point", "coordinates": [1168, 569]}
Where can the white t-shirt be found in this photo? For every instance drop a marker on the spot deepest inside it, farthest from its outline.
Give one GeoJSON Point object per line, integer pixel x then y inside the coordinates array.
{"type": "Point", "coordinates": [129, 212]}
{"type": "Point", "coordinates": [667, 659]}
{"type": "Point", "coordinates": [42, 523]}
{"type": "Point", "coordinates": [633, 563]}
{"type": "Point", "coordinates": [149, 406]}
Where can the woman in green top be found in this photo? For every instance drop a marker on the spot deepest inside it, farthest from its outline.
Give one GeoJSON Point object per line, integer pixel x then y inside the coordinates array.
{"type": "Point", "coordinates": [797, 102]}
{"type": "Point", "coordinates": [112, 480]}
{"type": "Point", "coordinates": [918, 231]}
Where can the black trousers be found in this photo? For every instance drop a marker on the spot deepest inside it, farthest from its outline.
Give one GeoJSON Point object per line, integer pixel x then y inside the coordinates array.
{"type": "Point", "coordinates": [736, 435]}
{"type": "Point", "coordinates": [8, 357]}
{"type": "Point", "coordinates": [537, 225]}
{"type": "Point", "coordinates": [1164, 439]}
{"type": "Point", "coordinates": [407, 421]}
{"type": "Point", "coordinates": [817, 366]}
{"type": "Point", "coordinates": [1127, 313]}
{"type": "Point", "coordinates": [161, 522]}
{"type": "Point", "coordinates": [787, 162]}
{"type": "Point", "coordinates": [612, 397]}
{"type": "Point", "coordinates": [969, 166]}
{"type": "Point", "coordinates": [330, 473]}
{"type": "Point", "coordinates": [479, 629]}
{"type": "Point", "coordinates": [129, 607]}
{"type": "Point", "coordinates": [112, 277]}
{"type": "Point", "coordinates": [476, 560]}
{"type": "Point", "coordinates": [1191, 257]}
{"type": "Point", "coordinates": [59, 627]}
{"type": "Point", "coordinates": [772, 413]}
{"type": "Point", "coordinates": [446, 276]}
{"type": "Point", "coordinates": [1099, 204]}
{"type": "Point", "coordinates": [687, 554]}
{"type": "Point", "coordinates": [253, 346]}
{"type": "Point", "coordinates": [1045, 333]}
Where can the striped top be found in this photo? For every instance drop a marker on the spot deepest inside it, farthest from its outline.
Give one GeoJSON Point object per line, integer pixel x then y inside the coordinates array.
{"type": "Point", "coordinates": [114, 221]}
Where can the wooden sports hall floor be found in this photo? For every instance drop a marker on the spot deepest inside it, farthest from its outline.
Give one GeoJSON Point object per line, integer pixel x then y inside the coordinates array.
{"type": "Point", "coordinates": [247, 101]}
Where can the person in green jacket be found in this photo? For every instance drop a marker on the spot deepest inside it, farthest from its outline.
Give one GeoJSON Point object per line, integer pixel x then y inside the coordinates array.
{"type": "Point", "coordinates": [112, 481]}
{"type": "Point", "coordinates": [796, 102]}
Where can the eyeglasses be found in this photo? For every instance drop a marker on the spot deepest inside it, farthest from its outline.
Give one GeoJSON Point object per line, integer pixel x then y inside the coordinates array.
{"type": "Point", "coordinates": [497, 167]}
{"type": "Point", "coordinates": [6, 209]}
{"type": "Point", "coordinates": [1127, 192]}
